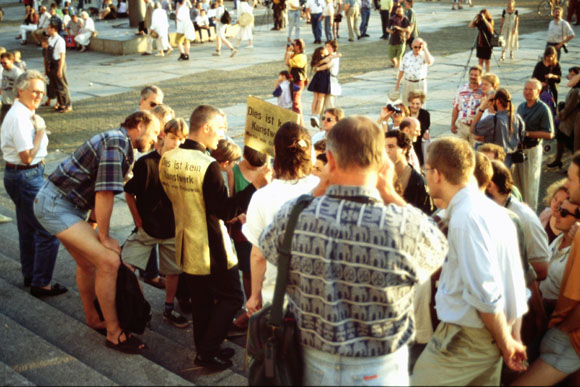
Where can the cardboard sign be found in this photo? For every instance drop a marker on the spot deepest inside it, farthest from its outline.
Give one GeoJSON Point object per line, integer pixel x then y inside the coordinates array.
{"type": "Point", "coordinates": [262, 122]}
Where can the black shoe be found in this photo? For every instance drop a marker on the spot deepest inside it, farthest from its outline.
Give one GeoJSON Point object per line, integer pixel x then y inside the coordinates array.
{"type": "Point", "coordinates": [186, 57]}
{"type": "Point", "coordinates": [226, 353]}
{"type": "Point", "coordinates": [555, 164]}
{"type": "Point", "coordinates": [351, 40]}
{"type": "Point", "coordinates": [365, 35]}
{"type": "Point", "coordinates": [212, 362]}
{"type": "Point", "coordinates": [359, 37]}
{"type": "Point", "coordinates": [54, 290]}
{"type": "Point", "coordinates": [146, 53]}
{"type": "Point", "coordinates": [176, 319]}
{"type": "Point", "coordinates": [181, 57]}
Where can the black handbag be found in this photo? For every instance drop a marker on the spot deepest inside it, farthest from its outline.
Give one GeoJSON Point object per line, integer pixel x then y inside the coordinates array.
{"type": "Point", "coordinates": [273, 340]}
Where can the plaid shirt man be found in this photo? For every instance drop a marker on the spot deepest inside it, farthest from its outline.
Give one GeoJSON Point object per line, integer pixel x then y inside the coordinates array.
{"type": "Point", "coordinates": [100, 164]}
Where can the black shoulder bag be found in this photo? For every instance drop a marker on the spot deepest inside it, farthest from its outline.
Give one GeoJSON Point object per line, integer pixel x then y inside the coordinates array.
{"type": "Point", "coordinates": [272, 338]}
{"type": "Point", "coordinates": [518, 156]}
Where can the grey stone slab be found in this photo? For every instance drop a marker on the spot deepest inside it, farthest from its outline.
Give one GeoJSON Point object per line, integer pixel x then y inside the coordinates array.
{"type": "Point", "coordinates": [41, 362]}
{"type": "Point", "coordinates": [9, 377]}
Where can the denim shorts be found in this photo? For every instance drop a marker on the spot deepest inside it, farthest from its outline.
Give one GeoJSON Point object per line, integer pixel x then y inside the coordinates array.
{"type": "Point", "coordinates": [557, 350]}
{"type": "Point", "coordinates": [54, 212]}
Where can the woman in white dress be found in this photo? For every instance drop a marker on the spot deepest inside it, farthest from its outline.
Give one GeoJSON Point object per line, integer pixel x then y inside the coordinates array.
{"type": "Point", "coordinates": [86, 32]}
{"type": "Point", "coordinates": [509, 29]}
{"type": "Point", "coordinates": [185, 29]}
{"type": "Point", "coordinates": [221, 29]}
{"type": "Point", "coordinates": [160, 25]}
{"type": "Point", "coordinates": [245, 32]}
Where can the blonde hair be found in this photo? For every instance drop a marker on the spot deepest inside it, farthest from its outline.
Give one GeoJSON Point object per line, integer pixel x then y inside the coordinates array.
{"type": "Point", "coordinates": [177, 127]}
{"type": "Point", "coordinates": [492, 79]}
{"type": "Point", "coordinates": [226, 151]}
{"type": "Point", "coordinates": [553, 189]}
{"type": "Point", "coordinates": [453, 158]}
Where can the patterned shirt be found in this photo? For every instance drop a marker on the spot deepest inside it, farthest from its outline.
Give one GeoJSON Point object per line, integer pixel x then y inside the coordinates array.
{"type": "Point", "coordinates": [414, 66]}
{"type": "Point", "coordinates": [100, 164]}
{"type": "Point", "coordinates": [467, 101]}
{"type": "Point", "coordinates": [353, 267]}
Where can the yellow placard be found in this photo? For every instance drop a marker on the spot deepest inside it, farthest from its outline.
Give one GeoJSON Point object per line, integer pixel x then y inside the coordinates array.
{"type": "Point", "coordinates": [262, 122]}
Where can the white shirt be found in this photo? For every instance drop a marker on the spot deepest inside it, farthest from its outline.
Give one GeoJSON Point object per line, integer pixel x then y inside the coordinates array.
{"type": "Point", "coordinates": [483, 270]}
{"type": "Point", "coordinates": [316, 6]}
{"type": "Point", "coordinates": [264, 205]}
{"type": "Point", "coordinates": [329, 10]}
{"type": "Point", "coordinates": [44, 20]}
{"type": "Point", "coordinates": [59, 45]}
{"type": "Point", "coordinates": [89, 25]}
{"type": "Point", "coordinates": [202, 20]}
{"type": "Point", "coordinates": [414, 66]}
{"type": "Point", "coordinates": [122, 7]}
{"type": "Point", "coordinates": [285, 99]}
{"type": "Point", "coordinates": [182, 17]}
{"type": "Point", "coordinates": [550, 287]}
{"type": "Point", "coordinates": [17, 134]}
{"type": "Point", "coordinates": [333, 68]}
{"type": "Point", "coordinates": [536, 239]}
{"type": "Point", "coordinates": [159, 21]}
{"type": "Point", "coordinates": [557, 32]}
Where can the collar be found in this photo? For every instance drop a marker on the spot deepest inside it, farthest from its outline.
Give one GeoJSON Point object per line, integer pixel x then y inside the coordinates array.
{"type": "Point", "coordinates": [23, 107]}
{"type": "Point", "coordinates": [352, 191]}
{"type": "Point", "coordinates": [193, 145]}
{"type": "Point", "coordinates": [462, 195]}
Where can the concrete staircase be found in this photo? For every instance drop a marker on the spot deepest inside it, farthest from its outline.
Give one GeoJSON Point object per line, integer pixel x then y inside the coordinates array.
{"type": "Point", "coordinates": [46, 342]}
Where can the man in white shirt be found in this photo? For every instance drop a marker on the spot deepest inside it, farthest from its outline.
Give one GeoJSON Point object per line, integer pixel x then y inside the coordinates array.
{"type": "Point", "coordinates": [559, 32]}
{"type": "Point", "coordinates": [24, 143]}
{"type": "Point", "coordinates": [413, 69]}
{"type": "Point", "coordinates": [314, 10]}
{"type": "Point", "coordinates": [57, 68]}
{"type": "Point", "coordinates": [43, 22]}
{"type": "Point", "coordinates": [481, 295]}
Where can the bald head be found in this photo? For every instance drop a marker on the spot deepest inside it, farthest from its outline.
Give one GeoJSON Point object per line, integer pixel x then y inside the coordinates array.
{"type": "Point", "coordinates": [412, 127]}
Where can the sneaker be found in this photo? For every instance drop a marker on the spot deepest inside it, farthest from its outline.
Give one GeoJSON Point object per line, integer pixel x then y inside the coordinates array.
{"type": "Point", "coordinates": [176, 319]}
{"type": "Point", "coordinates": [217, 53]}
{"type": "Point", "coordinates": [234, 52]}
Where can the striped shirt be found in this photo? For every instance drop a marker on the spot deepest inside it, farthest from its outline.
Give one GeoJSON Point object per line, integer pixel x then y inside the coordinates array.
{"type": "Point", "coordinates": [100, 164]}
{"type": "Point", "coordinates": [354, 264]}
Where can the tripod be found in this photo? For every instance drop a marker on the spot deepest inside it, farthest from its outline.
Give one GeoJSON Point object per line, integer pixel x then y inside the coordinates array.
{"type": "Point", "coordinates": [267, 17]}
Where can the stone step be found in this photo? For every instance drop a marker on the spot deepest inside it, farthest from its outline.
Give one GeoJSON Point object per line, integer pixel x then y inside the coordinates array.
{"type": "Point", "coordinates": [170, 347]}
{"type": "Point", "coordinates": [9, 377]}
{"type": "Point", "coordinates": [78, 340]}
{"type": "Point", "coordinates": [39, 362]}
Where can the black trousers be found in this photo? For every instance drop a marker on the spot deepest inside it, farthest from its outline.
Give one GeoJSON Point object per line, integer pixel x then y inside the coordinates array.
{"type": "Point", "coordinates": [384, 23]}
{"type": "Point", "coordinates": [215, 300]}
{"type": "Point", "coordinates": [58, 85]}
{"type": "Point", "coordinates": [278, 19]}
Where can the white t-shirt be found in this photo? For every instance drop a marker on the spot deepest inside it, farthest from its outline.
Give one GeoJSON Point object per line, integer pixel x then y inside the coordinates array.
{"type": "Point", "coordinates": [316, 6]}
{"type": "Point", "coordinates": [550, 287]}
{"type": "Point", "coordinates": [202, 20]}
{"type": "Point", "coordinates": [59, 45]}
{"type": "Point", "coordinates": [264, 205]}
{"type": "Point", "coordinates": [17, 134]}
{"type": "Point", "coordinates": [182, 18]}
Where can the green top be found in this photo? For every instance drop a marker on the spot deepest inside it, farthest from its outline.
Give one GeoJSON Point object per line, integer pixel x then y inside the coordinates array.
{"type": "Point", "coordinates": [240, 182]}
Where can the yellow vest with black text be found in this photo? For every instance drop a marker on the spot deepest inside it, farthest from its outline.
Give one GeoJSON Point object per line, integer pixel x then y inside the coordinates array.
{"type": "Point", "coordinates": [182, 172]}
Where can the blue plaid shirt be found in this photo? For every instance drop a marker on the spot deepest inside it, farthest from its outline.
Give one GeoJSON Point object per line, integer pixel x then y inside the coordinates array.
{"type": "Point", "coordinates": [100, 164]}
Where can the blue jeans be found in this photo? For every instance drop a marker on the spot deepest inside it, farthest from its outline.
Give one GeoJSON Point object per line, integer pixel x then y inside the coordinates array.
{"type": "Point", "coordinates": [38, 248]}
{"type": "Point", "coordinates": [294, 23]}
{"type": "Point", "coordinates": [328, 27]}
{"type": "Point", "coordinates": [365, 14]}
{"type": "Point", "coordinates": [316, 26]}
{"type": "Point", "coordinates": [324, 369]}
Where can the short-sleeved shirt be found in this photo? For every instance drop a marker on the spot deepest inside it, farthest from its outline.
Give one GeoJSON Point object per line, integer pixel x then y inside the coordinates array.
{"type": "Point", "coordinates": [538, 118]}
{"type": "Point", "coordinates": [412, 16]}
{"type": "Point", "coordinates": [354, 265]}
{"type": "Point", "coordinates": [153, 205]}
{"type": "Point", "coordinates": [467, 101]}
{"type": "Point", "coordinates": [558, 32]}
{"type": "Point", "coordinates": [100, 164]}
{"type": "Point", "coordinates": [495, 130]}
{"type": "Point", "coordinates": [550, 287]}
{"type": "Point", "coordinates": [8, 81]}
{"type": "Point", "coordinates": [74, 27]}
{"type": "Point", "coordinates": [414, 66]}
{"type": "Point", "coordinates": [59, 46]}
{"type": "Point", "coordinates": [536, 239]}
{"type": "Point", "coordinates": [316, 6]}
{"type": "Point", "coordinates": [397, 37]}
{"type": "Point", "coordinates": [569, 292]}
{"type": "Point", "coordinates": [18, 132]}
{"type": "Point", "coordinates": [298, 65]}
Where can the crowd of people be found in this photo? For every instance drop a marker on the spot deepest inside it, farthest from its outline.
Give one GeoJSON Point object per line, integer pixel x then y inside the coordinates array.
{"type": "Point", "coordinates": [413, 248]}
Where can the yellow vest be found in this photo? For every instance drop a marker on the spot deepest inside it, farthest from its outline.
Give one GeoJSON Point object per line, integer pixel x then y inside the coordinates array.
{"type": "Point", "coordinates": [182, 172]}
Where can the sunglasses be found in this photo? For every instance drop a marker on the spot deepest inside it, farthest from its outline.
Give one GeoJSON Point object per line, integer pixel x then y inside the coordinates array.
{"type": "Point", "coordinates": [564, 213]}
{"type": "Point", "coordinates": [417, 46]}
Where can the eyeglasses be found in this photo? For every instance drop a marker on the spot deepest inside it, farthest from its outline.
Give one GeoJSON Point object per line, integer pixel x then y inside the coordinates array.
{"type": "Point", "coordinates": [153, 104]}
{"type": "Point", "coordinates": [564, 213]}
{"type": "Point", "coordinates": [417, 46]}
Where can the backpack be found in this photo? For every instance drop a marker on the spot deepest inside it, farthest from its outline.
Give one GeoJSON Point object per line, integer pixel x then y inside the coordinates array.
{"type": "Point", "coordinates": [226, 17]}
{"type": "Point", "coordinates": [133, 310]}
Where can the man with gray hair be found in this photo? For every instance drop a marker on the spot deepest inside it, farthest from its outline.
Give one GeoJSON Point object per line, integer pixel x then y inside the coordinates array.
{"type": "Point", "coordinates": [24, 142]}
{"type": "Point", "coordinates": [539, 126]}
{"type": "Point", "coordinates": [151, 96]}
{"type": "Point", "coordinates": [413, 69]}
{"type": "Point", "coordinates": [353, 313]}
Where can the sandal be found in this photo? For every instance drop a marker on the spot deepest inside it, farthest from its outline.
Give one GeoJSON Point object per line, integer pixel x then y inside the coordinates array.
{"type": "Point", "coordinates": [131, 345]}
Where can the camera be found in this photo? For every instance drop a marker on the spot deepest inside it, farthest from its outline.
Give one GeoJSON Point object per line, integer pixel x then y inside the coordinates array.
{"type": "Point", "coordinates": [392, 108]}
{"type": "Point", "coordinates": [565, 47]}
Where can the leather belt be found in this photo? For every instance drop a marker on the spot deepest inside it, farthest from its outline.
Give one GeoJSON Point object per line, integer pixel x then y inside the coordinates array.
{"type": "Point", "coordinates": [20, 167]}
{"type": "Point", "coordinates": [418, 80]}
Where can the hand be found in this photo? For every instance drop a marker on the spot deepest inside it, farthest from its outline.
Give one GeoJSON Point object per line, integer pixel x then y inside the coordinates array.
{"type": "Point", "coordinates": [454, 129]}
{"type": "Point", "coordinates": [514, 355]}
{"type": "Point", "coordinates": [397, 87]}
{"type": "Point", "coordinates": [111, 244]}
{"type": "Point", "coordinates": [242, 218]}
{"type": "Point", "coordinates": [59, 73]}
{"type": "Point", "coordinates": [573, 229]}
{"type": "Point", "coordinates": [264, 177]}
{"type": "Point", "coordinates": [253, 304]}
{"type": "Point", "coordinates": [385, 113]}
{"type": "Point", "coordinates": [426, 135]}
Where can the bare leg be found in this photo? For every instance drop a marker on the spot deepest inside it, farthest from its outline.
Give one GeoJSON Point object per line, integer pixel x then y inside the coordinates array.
{"type": "Point", "coordinates": [317, 104]}
{"type": "Point", "coordinates": [186, 47]}
{"type": "Point", "coordinates": [81, 240]}
{"type": "Point", "coordinates": [540, 374]}
{"type": "Point", "coordinates": [487, 65]}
